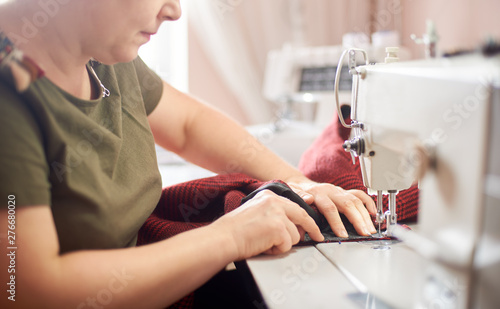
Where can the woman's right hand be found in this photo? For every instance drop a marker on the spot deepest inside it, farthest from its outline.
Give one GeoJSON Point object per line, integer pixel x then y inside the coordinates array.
{"type": "Point", "coordinates": [267, 223]}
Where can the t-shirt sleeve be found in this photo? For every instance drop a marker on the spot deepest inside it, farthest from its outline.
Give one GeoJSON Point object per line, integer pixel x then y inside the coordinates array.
{"type": "Point", "coordinates": [24, 171]}
{"type": "Point", "coordinates": [150, 83]}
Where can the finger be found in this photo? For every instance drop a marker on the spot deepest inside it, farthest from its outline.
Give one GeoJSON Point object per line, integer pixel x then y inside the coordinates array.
{"type": "Point", "coordinates": [283, 242]}
{"type": "Point", "coordinates": [300, 217]}
{"type": "Point", "coordinates": [354, 216]}
{"type": "Point", "coordinates": [293, 232]}
{"type": "Point", "coordinates": [282, 232]}
{"type": "Point", "coordinates": [307, 197]}
{"type": "Point", "coordinates": [287, 232]}
{"type": "Point", "coordinates": [331, 213]}
{"type": "Point", "coordinates": [366, 199]}
{"type": "Point", "coordinates": [302, 232]}
{"type": "Point", "coordinates": [366, 216]}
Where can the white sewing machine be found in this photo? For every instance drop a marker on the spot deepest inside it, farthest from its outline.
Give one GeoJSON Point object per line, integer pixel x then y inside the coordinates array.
{"type": "Point", "coordinates": [300, 82]}
{"type": "Point", "coordinates": [437, 118]}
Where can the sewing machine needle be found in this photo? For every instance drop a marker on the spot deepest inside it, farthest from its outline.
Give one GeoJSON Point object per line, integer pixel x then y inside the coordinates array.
{"type": "Point", "coordinates": [380, 211]}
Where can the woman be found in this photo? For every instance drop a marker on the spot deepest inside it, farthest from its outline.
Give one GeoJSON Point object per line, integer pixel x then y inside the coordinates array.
{"type": "Point", "coordinates": [79, 117]}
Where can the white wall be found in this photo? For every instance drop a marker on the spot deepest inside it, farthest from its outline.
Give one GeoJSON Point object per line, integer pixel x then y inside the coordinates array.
{"type": "Point", "coordinates": [460, 23]}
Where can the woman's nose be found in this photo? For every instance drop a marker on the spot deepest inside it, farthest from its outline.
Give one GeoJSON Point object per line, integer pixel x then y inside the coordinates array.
{"type": "Point", "coordinates": [171, 10]}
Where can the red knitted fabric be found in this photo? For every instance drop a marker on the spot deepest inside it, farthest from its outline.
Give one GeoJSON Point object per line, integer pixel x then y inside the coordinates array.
{"type": "Point", "coordinates": [326, 161]}
{"type": "Point", "coordinates": [195, 203]}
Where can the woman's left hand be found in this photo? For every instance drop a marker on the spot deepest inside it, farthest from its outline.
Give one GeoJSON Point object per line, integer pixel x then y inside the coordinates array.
{"type": "Point", "coordinates": [331, 201]}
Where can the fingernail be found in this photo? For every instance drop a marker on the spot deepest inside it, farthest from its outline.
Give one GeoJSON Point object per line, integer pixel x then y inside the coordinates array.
{"type": "Point", "coordinates": [306, 196]}
{"type": "Point", "coordinates": [344, 234]}
{"type": "Point", "coordinates": [367, 232]}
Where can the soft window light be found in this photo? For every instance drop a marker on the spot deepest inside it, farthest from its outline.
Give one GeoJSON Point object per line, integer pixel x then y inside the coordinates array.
{"type": "Point", "coordinates": [167, 52]}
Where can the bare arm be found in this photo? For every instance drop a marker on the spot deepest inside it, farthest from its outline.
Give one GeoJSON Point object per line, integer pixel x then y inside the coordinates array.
{"type": "Point", "coordinates": [212, 140]}
{"type": "Point", "coordinates": [207, 137]}
{"type": "Point", "coordinates": [151, 276]}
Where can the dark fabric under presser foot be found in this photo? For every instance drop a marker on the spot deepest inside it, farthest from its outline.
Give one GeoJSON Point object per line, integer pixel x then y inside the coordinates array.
{"type": "Point", "coordinates": [285, 191]}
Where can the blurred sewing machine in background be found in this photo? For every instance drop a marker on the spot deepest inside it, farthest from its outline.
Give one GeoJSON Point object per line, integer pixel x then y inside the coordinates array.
{"type": "Point", "coordinates": [299, 81]}
{"type": "Point", "coordinates": [436, 121]}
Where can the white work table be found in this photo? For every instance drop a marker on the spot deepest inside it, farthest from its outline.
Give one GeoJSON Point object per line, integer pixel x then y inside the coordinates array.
{"type": "Point", "coordinates": [334, 275]}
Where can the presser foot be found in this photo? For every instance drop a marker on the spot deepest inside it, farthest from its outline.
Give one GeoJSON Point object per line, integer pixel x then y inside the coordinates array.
{"type": "Point", "coordinates": [382, 244]}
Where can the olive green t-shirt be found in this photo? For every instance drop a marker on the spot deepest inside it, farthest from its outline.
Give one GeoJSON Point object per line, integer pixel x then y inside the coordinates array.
{"type": "Point", "coordinates": [93, 162]}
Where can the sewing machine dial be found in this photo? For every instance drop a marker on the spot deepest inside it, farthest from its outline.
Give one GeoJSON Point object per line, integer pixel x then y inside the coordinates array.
{"type": "Point", "coordinates": [356, 146]}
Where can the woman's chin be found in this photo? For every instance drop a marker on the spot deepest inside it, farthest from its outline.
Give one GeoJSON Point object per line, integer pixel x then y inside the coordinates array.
{"type": "Point", "coordinates": [118, 57]}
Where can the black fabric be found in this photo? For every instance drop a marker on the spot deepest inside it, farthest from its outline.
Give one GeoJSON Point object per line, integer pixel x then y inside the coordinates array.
{"type": "Point", "coordinates": [285, 191]}
{"type": "Point", "coordinates": [231, 289]}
